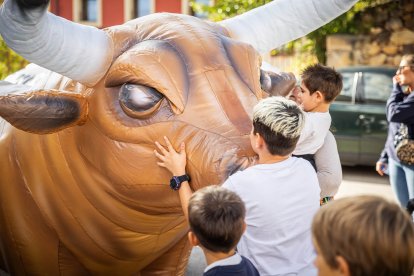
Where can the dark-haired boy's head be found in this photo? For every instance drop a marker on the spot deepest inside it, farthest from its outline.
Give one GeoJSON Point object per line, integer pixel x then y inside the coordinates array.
{"type": "Point", "coordinates": [323, 79]}
{"type": "Point", "coordinates": [279, 122]}
{"type": "Point", "coordinates": [216, 217]}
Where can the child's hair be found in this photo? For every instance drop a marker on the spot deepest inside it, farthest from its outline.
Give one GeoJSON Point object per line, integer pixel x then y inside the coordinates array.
{"type": "Point", "coordinates": [216, 217]}
{"type": "Point", "coordinates": [323, 79]}
{"type": "Point", "coordinates": [279, 121]}
{"type": "Point", "coordinates": [374, 236]}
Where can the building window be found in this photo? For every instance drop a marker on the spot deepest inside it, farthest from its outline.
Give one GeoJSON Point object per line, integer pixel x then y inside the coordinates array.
{"type": "Point", "coordinates": [89, 10]}
{"type": "Point", "coordinates": [142, 7]}
{"type": "Point", "coordinates": [138, 8]}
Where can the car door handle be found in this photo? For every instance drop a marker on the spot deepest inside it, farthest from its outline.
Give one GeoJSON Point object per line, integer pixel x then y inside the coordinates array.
{"type": "Point", "coordinates": [365, 122]}
{"type": "Point", "coordinates": [367, 119]}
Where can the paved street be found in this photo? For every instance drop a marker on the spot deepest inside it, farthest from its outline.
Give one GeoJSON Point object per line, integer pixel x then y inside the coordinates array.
{"type": "Point", "coordinates": [364, 180]}
{"type": "Point", "coordinates": [356, 181]}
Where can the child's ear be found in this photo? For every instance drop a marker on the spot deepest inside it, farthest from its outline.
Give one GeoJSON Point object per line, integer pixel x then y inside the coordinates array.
{"type": "Point", "coordinates": [319, 96]}
{"type": "Point", "coordinates": [343, 266]}
{"type": "Point", "coordinates": [193, 239]}
{"type": "Point", "coordinates": [244, 226]}
{"type": "Point", "coordinates": [259, 141]}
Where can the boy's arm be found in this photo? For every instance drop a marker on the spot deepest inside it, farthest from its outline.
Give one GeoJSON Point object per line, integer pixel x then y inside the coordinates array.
{"type": "Point", "coordinates": [306, 139]}
{"type": "Point", "coordinates": [185, 193]}
{"type": "Point", "coordinates": [329, 167]}
{"type": "Point", "coordinates": [175, 162]}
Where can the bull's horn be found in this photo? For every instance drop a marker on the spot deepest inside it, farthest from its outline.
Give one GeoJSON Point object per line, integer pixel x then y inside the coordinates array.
{"type": "Point", "coordinates": [82, 53]}
{"type": "Point", "coordinates": [290, 18]}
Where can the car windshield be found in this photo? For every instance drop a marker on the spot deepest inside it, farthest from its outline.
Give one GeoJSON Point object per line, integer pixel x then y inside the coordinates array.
{"type": "Point", "coordinates": [348, 87]}
{"type": "Point", "coordinates": [376, 87]}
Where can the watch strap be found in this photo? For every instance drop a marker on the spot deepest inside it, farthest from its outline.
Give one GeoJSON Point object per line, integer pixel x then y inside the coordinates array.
{"type": "Point", "coordinates": [183, 178]}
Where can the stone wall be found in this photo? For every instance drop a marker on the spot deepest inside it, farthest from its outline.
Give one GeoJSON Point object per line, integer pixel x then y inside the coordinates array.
{"type": "Point", "coordinates": [390, 37]}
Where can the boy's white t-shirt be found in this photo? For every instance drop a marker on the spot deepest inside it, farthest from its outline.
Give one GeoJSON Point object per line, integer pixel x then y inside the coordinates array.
{"type": "Point", "coordinates": [281, 200]}
{"type": "Point", "coordinates": [313, 134]}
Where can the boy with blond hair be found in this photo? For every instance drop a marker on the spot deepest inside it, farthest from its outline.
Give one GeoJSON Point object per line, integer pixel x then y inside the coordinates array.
{"type": "Point", "coordinates": [281, 192]}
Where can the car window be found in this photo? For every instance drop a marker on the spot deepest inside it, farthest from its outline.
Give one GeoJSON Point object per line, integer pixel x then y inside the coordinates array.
{"type": "Point", "coordinates": [348, 87]}
{"type": "Point", "coordinates": [376, 87]}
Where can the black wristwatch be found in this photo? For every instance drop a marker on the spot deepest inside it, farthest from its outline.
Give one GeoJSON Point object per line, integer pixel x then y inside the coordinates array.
{"type": "Point", "coordinates": [175, 182]}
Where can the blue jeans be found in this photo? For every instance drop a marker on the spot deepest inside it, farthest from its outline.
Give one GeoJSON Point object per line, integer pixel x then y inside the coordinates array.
{"type": "Point", "coordinates": [402, 180]}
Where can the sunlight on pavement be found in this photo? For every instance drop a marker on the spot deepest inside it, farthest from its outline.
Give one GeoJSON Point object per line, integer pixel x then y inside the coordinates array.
{"type": "Point", "coordinates": [350, 188]}
{"type": "Point", "coordinates": [364, 181]}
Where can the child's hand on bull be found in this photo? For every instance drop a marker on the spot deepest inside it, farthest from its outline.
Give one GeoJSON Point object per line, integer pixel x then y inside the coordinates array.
{"type": "Point", "coordinates": [170, 159]}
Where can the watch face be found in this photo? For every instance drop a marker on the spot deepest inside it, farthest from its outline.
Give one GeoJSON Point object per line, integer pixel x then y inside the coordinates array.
{"type": "Point", "coordinates": [175, 183]}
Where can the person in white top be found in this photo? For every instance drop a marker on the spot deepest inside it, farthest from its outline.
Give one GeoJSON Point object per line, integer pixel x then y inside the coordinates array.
{"type": "Point", "coordinates": [281, 193]}
{"type": "Point", "coordinates": [320, 85]}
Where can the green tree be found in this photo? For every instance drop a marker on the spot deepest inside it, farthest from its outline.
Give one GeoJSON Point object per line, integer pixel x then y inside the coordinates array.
{"type": "Point", "coordinates": [345, 23]}
{"type": "Point", "coordinates": [223, 9]}
{"type": "Point", "coordinates": [10, 62]}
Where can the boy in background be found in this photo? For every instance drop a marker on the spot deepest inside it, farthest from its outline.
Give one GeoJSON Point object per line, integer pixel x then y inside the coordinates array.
{"type": "Point", "coordinates": [319, 87]}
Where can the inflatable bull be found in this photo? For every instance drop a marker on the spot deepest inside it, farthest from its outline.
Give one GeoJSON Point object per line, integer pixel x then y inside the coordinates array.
{"type": "Point", "coordinates": [80, 190]}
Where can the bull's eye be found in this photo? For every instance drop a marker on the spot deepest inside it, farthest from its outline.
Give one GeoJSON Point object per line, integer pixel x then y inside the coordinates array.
{"type": "Point", "coordinates": [139, 101]}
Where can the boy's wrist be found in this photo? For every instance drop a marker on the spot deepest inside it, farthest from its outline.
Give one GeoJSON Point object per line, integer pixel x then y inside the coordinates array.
{"type": "Point", "coordinates": [178, 172]}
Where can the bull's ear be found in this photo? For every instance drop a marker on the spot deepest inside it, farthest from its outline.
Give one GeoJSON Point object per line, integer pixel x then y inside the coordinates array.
{"type": "Point", "coordinates": [41, 111]}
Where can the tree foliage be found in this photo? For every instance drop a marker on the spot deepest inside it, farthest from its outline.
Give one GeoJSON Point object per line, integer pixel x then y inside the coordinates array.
{"type": "Point", "coordinates": [10, 62]}
{"type": "Point", "coordinates": [345, 24]}
{"type": "Point", "coordinates": [223, 9]}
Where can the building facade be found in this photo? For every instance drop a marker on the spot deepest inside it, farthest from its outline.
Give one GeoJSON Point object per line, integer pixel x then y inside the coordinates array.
{"type": "Point", "coordinates": [105, 13]}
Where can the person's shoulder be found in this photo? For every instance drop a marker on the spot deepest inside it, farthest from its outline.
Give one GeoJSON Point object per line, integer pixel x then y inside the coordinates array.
{"type": "Point", "coordinates": [235, 178]}
{"type": "Point", "coordinates": [243, 173]}
{"type": "Point", "coordinates": [318, 115]}
{"type": "Point", "coordinates": [244, 268]}
{"type": "Point", "coordinates": [250, 268]}
{"type": "Point", "coordinates": [304, 166]}
{"type": "Point", "coordinates": [299, 162]}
